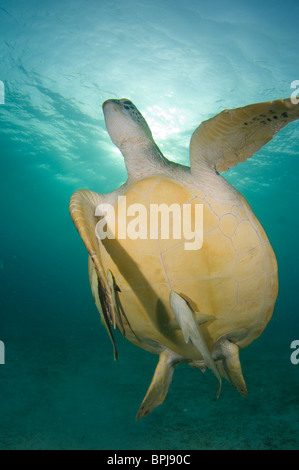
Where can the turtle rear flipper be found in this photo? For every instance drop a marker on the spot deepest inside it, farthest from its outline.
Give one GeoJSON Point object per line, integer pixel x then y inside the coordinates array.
{"type": "Point", "coordinates": [161, 380]}
{"type": "Point", "coordinates": [226, 354]}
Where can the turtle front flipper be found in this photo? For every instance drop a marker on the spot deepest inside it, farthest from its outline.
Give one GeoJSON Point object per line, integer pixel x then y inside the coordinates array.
{"type": "Point", "coordinates": [234, 135]}
{"type": "Point", "coordinates": [82, 207]}
{"type": "Point", "coordinates": [191, 332]}
{"type": "Point", "coordinates": [99, 298]}
{"type": "Point", "coordinates": [161, 380]}
{"type": "Point", "coordinates": [227, 353]}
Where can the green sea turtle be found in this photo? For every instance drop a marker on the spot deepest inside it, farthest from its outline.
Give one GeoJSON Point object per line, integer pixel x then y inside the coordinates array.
{"type": "Point", "coordinates": [198, 306]}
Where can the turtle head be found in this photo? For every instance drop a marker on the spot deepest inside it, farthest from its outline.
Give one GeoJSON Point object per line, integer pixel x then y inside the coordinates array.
{"type": "Point", "coordinates": [125, 124]}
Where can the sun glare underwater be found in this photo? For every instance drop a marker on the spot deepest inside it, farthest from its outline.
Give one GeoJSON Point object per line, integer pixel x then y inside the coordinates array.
{"type": "Point", "coordinates": [180, 63]}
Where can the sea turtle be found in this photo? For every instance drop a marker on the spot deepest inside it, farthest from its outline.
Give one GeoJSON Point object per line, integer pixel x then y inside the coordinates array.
{"type": "Point", "coordinates": [199, 303]}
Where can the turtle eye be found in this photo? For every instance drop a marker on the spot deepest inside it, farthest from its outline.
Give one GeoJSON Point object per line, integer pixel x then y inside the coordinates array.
{"type": "Point", "coordinates": [133, 111]}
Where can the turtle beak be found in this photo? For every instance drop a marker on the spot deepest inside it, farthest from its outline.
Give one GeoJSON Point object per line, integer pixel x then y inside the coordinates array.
{"type": "Point", "coordinates": [110, 102]}
{"type": "Point", "coordinates": [111, 109]}
{"type": "Point", "coordinates": [116, 121]}
{"type": "Point", "coordinates": [124, 102]}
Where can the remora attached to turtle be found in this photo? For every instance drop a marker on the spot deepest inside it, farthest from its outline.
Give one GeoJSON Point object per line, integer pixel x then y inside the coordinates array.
{"type": "Point", "coordinates": [198, 307]}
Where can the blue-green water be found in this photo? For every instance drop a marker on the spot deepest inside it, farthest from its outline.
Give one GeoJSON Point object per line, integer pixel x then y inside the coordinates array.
{"type": "Point", "coordinates": [180, 62]}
